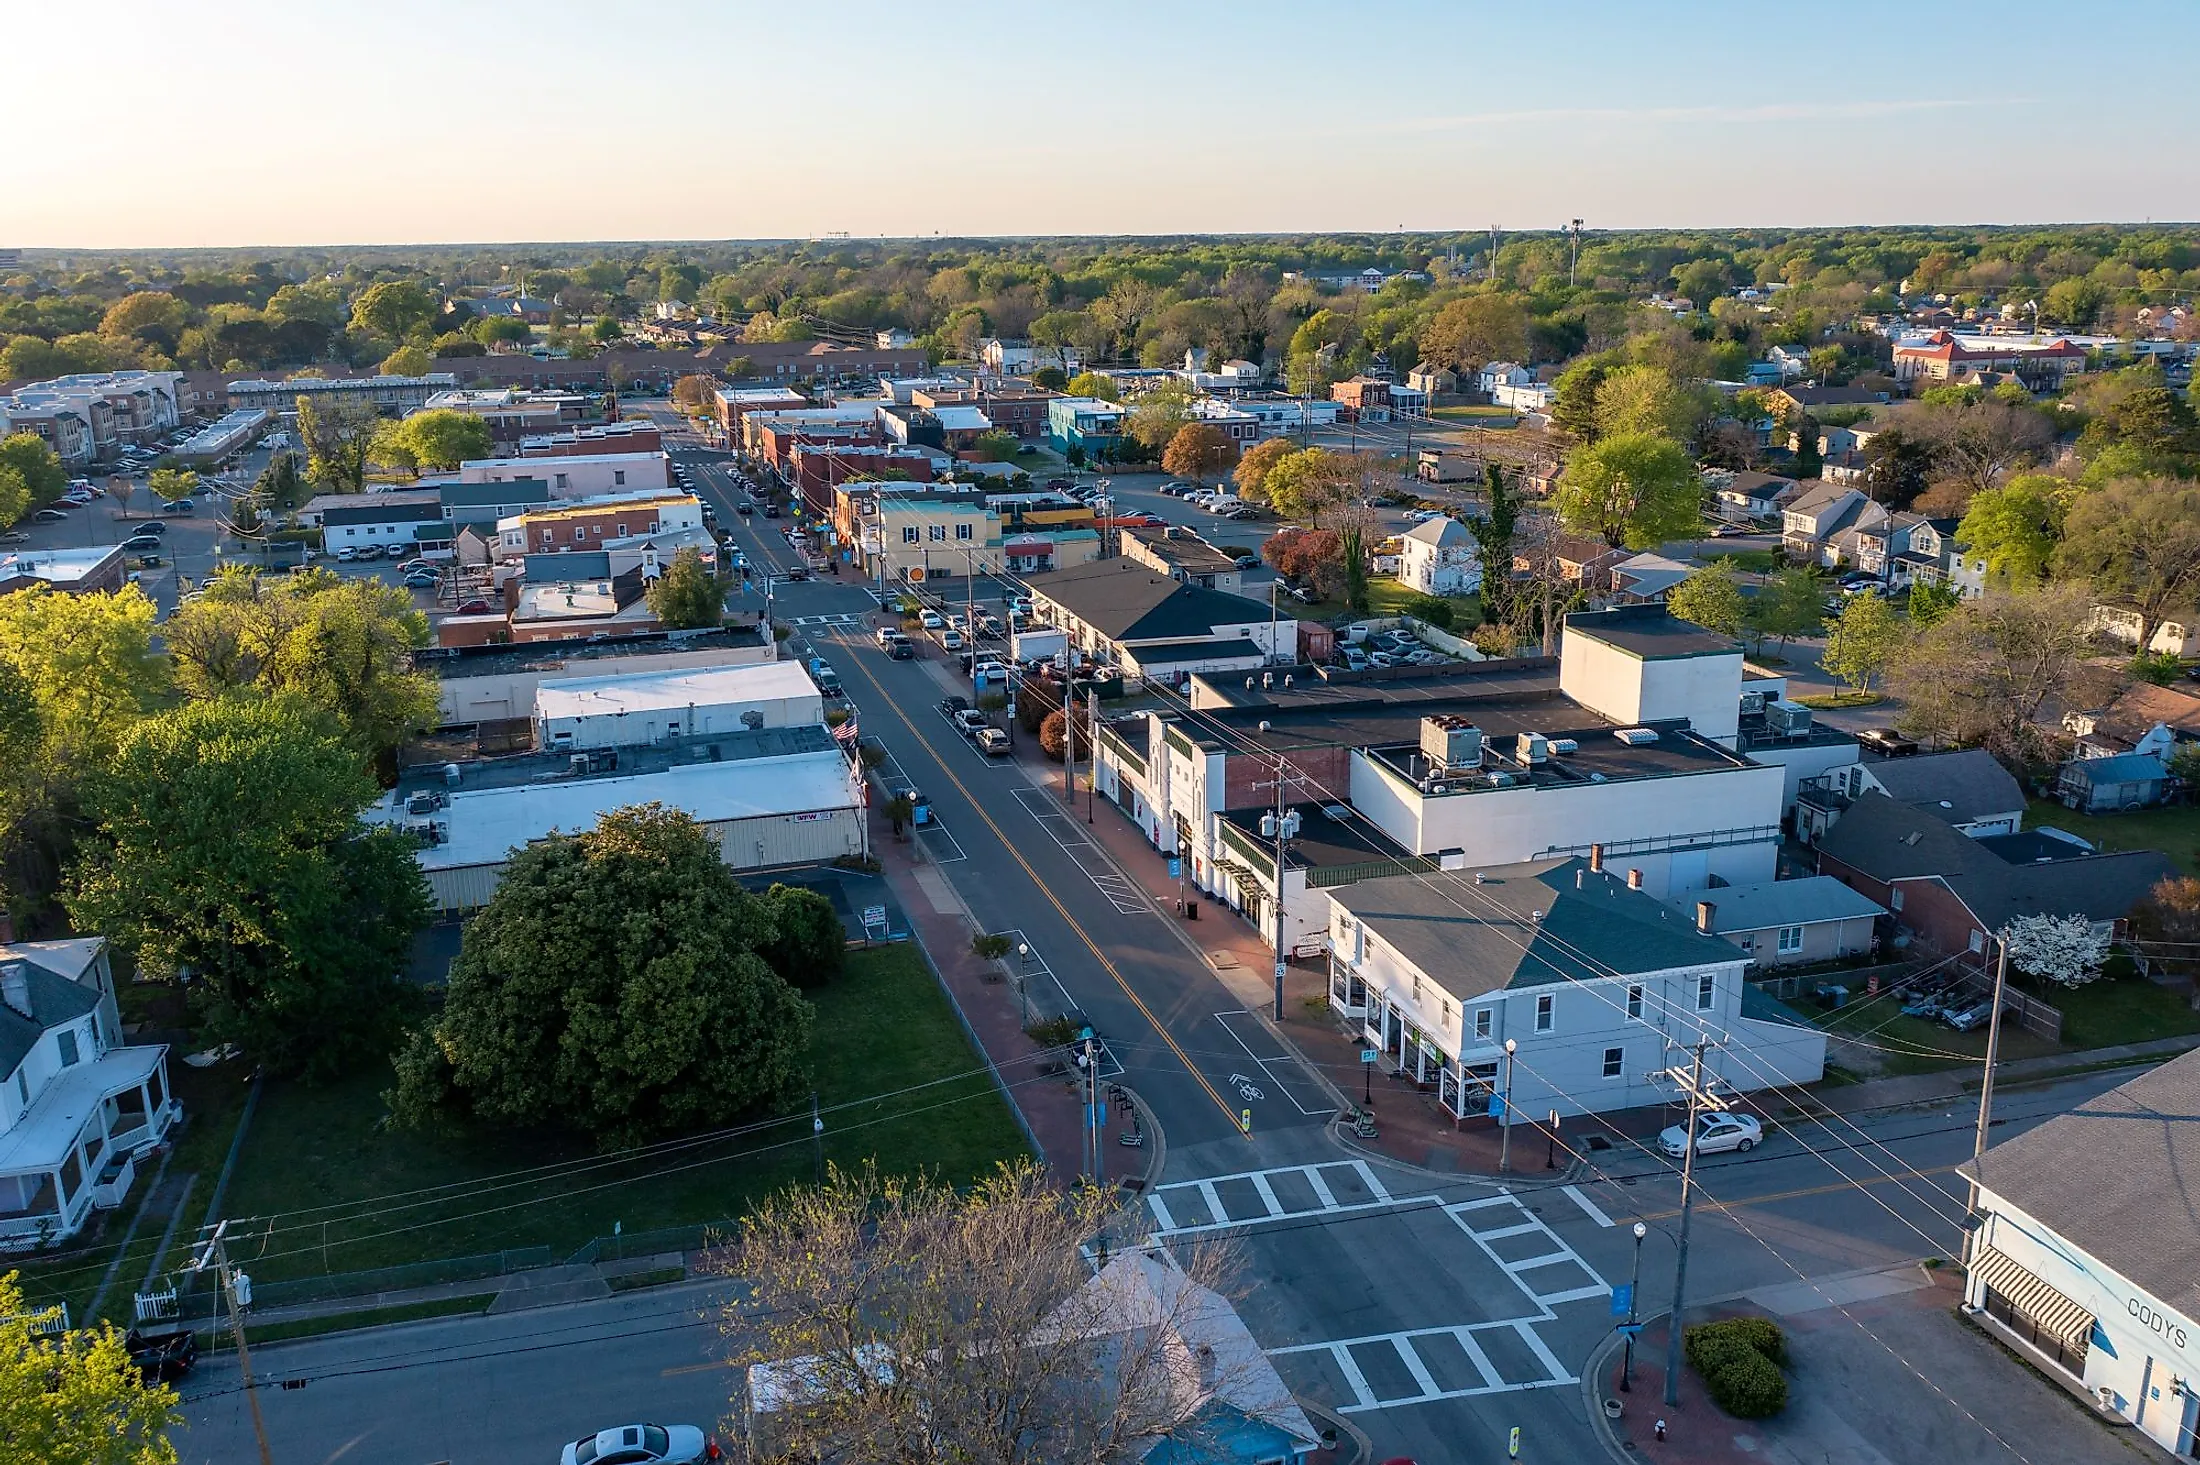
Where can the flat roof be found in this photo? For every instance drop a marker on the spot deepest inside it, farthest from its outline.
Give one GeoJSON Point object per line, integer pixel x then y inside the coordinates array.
{"type": "Point", "coordinates": [483, 661]}
{"type": "Point", "coordinates": [603, 504]}
{"type": "Point", "coordinates": [1323, 843]}
{"type": "Point", "coordinates": [1650, 632]}
{"type": "Point", "coordinates": [57, 566]}
{"type": "Point", "coordinates": [673, 688]}
{"type": "Point", "coordinates": [483, 825]}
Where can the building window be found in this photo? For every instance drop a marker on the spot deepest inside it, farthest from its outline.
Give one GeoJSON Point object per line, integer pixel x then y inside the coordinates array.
{"type": "Point", "coordinates": [909, 534]}
{"type": "Point", "coordinates": [1416, 989]}
{"type": "Point", "coordinates": [936, 532]}
{"type": "Point", "coordinates": [1482, 1023]}
{"type": "Point", "coordinates": [1707, 991]}
{"type": "Point", "coordinates": [1614, 1060]}
{"type": "Point", "coordinates": [1634, 1000]}
{"type": "Point", "coordinates": [561, 481]}
{"type": "Point", "coordinates": [618, 477]}
{"type": "Point", "coordinates": [66, 1038]}
{"type": "Point", "coordinates": [1978, 940]}
{"type": "Point", "coordinates": [962, 531]}
{"type": "Point", "coordinates": [1791, 939]}
{"type": "Point", "coordinates": [1894, 897]}
{"type": "Point", "coordinates": [1544, 1008]}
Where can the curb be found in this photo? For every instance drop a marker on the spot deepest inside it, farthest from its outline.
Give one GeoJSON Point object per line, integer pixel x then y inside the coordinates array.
{"type": "Point", "coordinates": [1592, 1397]}
{"type": "Point", "coordinates": [1568, 1174]}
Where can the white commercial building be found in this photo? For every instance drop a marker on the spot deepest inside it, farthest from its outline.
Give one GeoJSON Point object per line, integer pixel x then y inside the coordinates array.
{"type": "Point", "coordinates": [2087, 1254]}
{"type": "Point", "coordinates": [770, 798]}
{"type": "Point", "coordinates": [89, 415]}
{"type": "Point", "coordinates": [590, 475]}
{"type": "Point", "coordinates": [634, 709]}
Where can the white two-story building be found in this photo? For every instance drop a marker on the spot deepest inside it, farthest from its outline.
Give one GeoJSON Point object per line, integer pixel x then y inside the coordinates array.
{"type": "Point", "coordinates": [78, 1109]}
{"type": "Point", "coordinates": [1598, 987]}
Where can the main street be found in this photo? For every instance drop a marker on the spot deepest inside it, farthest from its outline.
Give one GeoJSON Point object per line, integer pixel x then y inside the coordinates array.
{"type": "Point", "coordinates": [1434, 1312]}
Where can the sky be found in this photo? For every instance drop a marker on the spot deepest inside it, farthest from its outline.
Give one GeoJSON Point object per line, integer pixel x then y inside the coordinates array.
{"type": "Point", "coordinates": [184, 123]}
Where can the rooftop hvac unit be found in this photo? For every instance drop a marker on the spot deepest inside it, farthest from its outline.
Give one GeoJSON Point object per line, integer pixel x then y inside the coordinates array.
{"type": "Point", "coordinates": [1752, 703]}
{"type": "Point", "coordinates": [1502, 780]}
{"type": "Point", "coordinates": [1795, 719]}
{"type": "Point", "coordinates": [1338, 812]}
{"type": "Point", "coordinates": [1532, 748]}
{"type": "Point", "coordinates": [1564, 746]}
{"type": "Point", "coordinates": [577, 765]}
{"type": "Point", "coordinates": [1451, 741]}
{"type": "Point", "coordinates": [1637, 737]}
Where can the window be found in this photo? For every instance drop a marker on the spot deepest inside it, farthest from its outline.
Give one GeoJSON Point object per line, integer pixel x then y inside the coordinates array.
{"type": "Point", "coordinates": [909, 534]}
{"type": "Point", "coordinates": [1791, 939]}
{"type": "Point", "coordinates": [1544, 1007]}
{"type": "Point", "coordinates": [618, 529]}
{"type": "Point", "coordinates": [562, 481]}
{"type": "Point", "coordinates": [936, 532]}
{"type": "Point", "coordinates": [1614, 1060]}
{"type": "Point", "coordinates": [1978, 940]}
{"type": "Point", "coordinates": [618, 476]}
{"type": "Point", "coordinates": [962, 531]}
{"type": "Point", "coordinates": [66, 1038]}
{"type": "Point", "coordinates": [1417, 989]}
{"type": "Point", "coordinates": [1482, 1022]}
{"type": "Point", "coordinates": [349, 531]}
{"type": "Point", "coordinates": [1707, 991]}
{"type": "Point", "coordinates": [1634, 1000]}
{"type": "Point", "coordinates": [1894, 897]}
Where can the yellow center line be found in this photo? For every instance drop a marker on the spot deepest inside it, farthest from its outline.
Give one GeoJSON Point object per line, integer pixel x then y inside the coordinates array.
{"type": "Point", "coordinates": [1053, 900]}
{"type": "Point", "coordinates": [1746, 1202]}
{"type": "Point", "coordinates": [667, 1373]}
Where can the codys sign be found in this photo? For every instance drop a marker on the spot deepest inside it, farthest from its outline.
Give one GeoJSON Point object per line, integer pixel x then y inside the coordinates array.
{"type": "Point", "coordinates": [2157, 1322]}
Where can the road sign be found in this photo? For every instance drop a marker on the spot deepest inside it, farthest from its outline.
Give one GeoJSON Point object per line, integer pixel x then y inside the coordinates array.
{"type": "Point", "coordinates": [1630, 1330]}
{"type": "Point", "coordinates": [874, 915]}
{"type": "Point", "coordinates": [1245, 1121]}
{"type": "Point", "coordinates": [1279, 971]}
{"type": "Point", "coordinates": [1623, 1299]}
{"type": "Point", "coordinates": [1371, 1055]}
{"type": "Point", "coordinates": [1512, 1446]}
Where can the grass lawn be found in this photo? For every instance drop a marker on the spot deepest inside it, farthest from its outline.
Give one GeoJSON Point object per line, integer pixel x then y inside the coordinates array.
{"type": "Point", "coordinates": [342, 1322]}
{"type": "Point", "coordinates": [1387, 597]}
{"type": "Point", "coordinates": [2175, 832]}
{"type": "Point", "coordinates": [1487, 414]}
{"type": "Point", "coordinates": [347, 1193]}
{"type": "Point", "coordinates": [1747, 561]}
{"type": "Point", "coordinates": [1832, 700]}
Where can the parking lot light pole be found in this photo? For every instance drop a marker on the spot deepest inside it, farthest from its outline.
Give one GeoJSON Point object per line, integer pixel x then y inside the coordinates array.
{"type": "Point", "coordinates": [1634, 1291]}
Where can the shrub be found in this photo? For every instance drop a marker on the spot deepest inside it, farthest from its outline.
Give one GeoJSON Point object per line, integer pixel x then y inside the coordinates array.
{"type": "Point", "coordinates": [2159, 667]}
{"type": "Point", "coordinates": [1053, 1032]}
{"type": "Point", "coordinates": [1739, 1361]}
{"type": "Point", "coordinates": [1432, 609]}
{"type": "Point", "coordinates": [989, 946]}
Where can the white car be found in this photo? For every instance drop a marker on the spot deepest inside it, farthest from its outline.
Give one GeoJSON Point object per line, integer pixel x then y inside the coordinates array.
{"type": "Point", "coordinates": [643, 1444]}
{"type": "Point", "coordinates": [931, 621]}
{"type": "Point", "coordinates": [951, 640]}
{"type": "Point", "coordinates": [1714, 1132]}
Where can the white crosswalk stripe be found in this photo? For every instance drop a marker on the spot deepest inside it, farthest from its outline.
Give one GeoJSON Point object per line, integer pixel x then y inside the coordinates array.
{"type": "Point", "coordinates": [1514, 1219]}
{"type": "Point", "coordinates": [1286, 1193]}
{"type": "Point", "coordinates": [1407, 1346]}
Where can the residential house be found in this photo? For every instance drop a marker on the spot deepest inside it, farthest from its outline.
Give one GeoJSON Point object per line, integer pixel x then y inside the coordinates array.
{"type": "Point", "coordinates": [589, 523]}
{"type": "Point", "coordinates": [1364, 398]}
{"type": "Point", "coordinates": [1440, 556]}
{"type": "Point", "coordinates": [79, 1110]}
{"type": "Point", "coordinates": [1967, 789]}
{"type": "Point", "coordinates": [1762, 374]}
{"type": "Point", "coordinates": [1788, 401]}
{"type": "Point", "coordinates": [1930, 558]}
{"type": "Point", "coordinates": [356, 520]}
{"type": "Point", "coordinates": [1950, 893]}
{"type": "Point", "coordinates": [1233, 421]}
{"type": "Point", "coordinates": [1817, 514]}
{"type": "Point", "coordinates": [1792, 362]}
{"type": "Point", "coordinates": [1020, 358]}
{"type": "Point", "coordinates": [2106, 785]}
{"type": "Point", "coordinates": [1587, 982]}
{"type": "Point", "coordinates": [1434, 378]}
{"type": "Point", "coordinates": [1883, 547]}
{"type": "Point", "coordinates": [1780, 923]}
{"type": "Point", "coordinates": [2176, 634]}
{"type": "Point", "coordinates": [1748, 495]}
{"type": "Point", "coordinates": [1509, 384]}
{"type": "Point", "coordinates": [1129, 615]}
{"type": "Point", "coordinates": [1020, 411]}
{"type": "Point", "coordinates": [2144, 718]}
{"type": "Point", "coordinates": [1646, 577]}
{"type": "Point", "coordinates": [1582, 562]}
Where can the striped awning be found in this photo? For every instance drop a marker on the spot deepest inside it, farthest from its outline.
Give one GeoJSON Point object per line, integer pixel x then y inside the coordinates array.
{"type": "Point", "coordinates": [2049, 1308]}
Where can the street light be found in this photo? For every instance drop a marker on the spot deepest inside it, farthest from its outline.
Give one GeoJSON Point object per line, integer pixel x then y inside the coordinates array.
{"type": "Point", "coordinates": [1634, 1285]}
{"type": "Point", "coordinates": [1505, 1120]}
{"type": "Point", "coordinates": [1023, 980]}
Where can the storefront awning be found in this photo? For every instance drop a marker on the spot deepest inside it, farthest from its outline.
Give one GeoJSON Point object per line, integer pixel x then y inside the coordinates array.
{"type": "Point", "coordinates": [2054, 1312]}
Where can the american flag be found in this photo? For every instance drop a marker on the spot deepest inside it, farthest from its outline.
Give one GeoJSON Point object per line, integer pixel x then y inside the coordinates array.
{"type": "Point", "coordinates": [847, 732]}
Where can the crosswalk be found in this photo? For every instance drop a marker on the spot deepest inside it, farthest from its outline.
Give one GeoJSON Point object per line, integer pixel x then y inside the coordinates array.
{"type": "Point", "coordinates": [1539, 1263]}
{"type": "Point", "coordinates": [1284, 1193]}
{"type": "Point", "coordinates": [841, 618]}
{"type": "Point", "coordinates": [1424, 1365]}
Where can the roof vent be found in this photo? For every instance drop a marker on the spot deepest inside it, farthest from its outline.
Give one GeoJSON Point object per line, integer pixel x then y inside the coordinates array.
{"type": "Point", "coordinates": [1480, 878]}
{"type": "Point", "coordinates": [1636, 737]}
{"type": "Point", "coordinates": [1536, 916]}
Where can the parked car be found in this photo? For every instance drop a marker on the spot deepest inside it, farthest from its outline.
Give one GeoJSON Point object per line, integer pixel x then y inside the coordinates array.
{"type": "Point", "coordinates": [180, 506]}
{"type": "Point", "coordinates": [142, 541]}
{"type": "Point", "coordinates": [954, 706]}
{"type": "Point", "coordinates": [15, 536]}
{"type": "Point", "coordinates": [50, 516]}
{"type": "Point", "coordinates": [347, 552]}
{"type": "Point", "coordinates": [1714, 1132]}
{"type": "Point", "coordinates": [150, 562]}
{"type": "Point", "coordinates": [884, 636]}
{"type": "Point", "coordinates": [477, 608]}
{"type": "Point", "coordinates": [931, 620]}
{"type": "Point", "coordinates": [951, 640]}
{"type": "Point", "coordinates": [152, 526]}
{"type": "Point", "coordinates": [901, 648]}
{"type": "Point", "coordinates": [970, 722]}
{"type": "Point", "coordinates": [992, 742]}
{"type": "Point", "coordinates": [643, 1444]}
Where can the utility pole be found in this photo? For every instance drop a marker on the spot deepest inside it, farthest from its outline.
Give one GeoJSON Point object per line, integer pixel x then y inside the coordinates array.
{"type": "Point", "coordinates": [1993, 1054]}
{"type": "Point", "coordinates": [1279, 826]}
{"type": "Point", "coordinates": [1069, 732]}
{"type": "Point", "coordinates": [238, 1287]}
{"type": "Point", "coordinates": [817, 1137]}
{"type": "Point", "coordinates": [1493, 253]}
{"type": "Point", "coordinates": [1092, 713]}
{"type": "Point", "coordinates": [1505, 1121]}
{"type": "Point", "coordinates": [1690, 1078]}
{"type": "Point", "coordinates": [1573, 264]}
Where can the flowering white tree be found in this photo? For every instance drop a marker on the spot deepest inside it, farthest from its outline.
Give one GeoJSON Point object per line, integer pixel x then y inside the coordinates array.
{"type": "Point", "coordinates": [2065, 950]}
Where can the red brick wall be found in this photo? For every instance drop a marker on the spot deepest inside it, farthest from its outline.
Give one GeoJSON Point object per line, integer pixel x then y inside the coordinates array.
{"type": "Point", "coordinates": [1329, 771]}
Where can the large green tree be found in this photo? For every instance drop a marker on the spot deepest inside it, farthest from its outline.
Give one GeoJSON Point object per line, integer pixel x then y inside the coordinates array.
{"type": "Point", "coordinates": [15, 495]}
{"type": "Point", "coordinates": [812, 945]}
{"type": "Point", "coordinates": [614, 984]}
{"type": "Point", "coordinates": [343, 645]}
{"type": "Point", "coordinates": [437, 440]}
{"type": "Point", "coordinates": [687, 596]}
{"type": "Point", "coordinates": [1711, 598]}
{"type": "Point", "coordinates": [1475, 330]}
{"type": "Point", "coordinates": [336, 436]}
{"type": "Point", "coordinates": [1493, 532]}
{"type": "Point", "coordinates": [395, 309]}
{"type": "Point", "coordinates": [37, 465]}
{"type": "Point", "coordinates": [1790, 604]}
{"type": "Point", "coordinates": [2014, 527]}
{"type": "Point", "coordinates": [2137, 543]}
{"type": "Point", "coordinates": [75, 1396]}
{"type": "Point", "coordinates": [227, 844]}
{"type": "Point", "coordinates": [1636, 489]}
{"type": "Point", "coordinates": [1862, 641]}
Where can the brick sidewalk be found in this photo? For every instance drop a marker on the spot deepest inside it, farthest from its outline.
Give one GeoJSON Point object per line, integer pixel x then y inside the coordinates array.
{"type": "Point", "coordinates": [1051, 1107]}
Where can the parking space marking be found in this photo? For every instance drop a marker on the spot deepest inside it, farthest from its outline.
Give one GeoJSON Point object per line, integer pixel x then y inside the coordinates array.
{"type": "Point", "coordinates": [940, 837]}
{"type": "Point", "coordinates": [1127, 898]}
{"type": "Point", "coordinates": [1588, 1206]}
{"type": "Point", "coordinates": [1365, 1398]}
{"type": "Point", "coordinates": [1346, 1172]}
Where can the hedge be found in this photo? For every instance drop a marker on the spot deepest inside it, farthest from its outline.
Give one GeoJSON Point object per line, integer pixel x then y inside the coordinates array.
{"type": "Point", "coordinates": [1739, 1360]}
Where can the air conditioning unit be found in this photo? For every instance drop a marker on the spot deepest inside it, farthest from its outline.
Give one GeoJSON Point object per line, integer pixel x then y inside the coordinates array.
{"type": "Point", "coordinates": [1637, 737]}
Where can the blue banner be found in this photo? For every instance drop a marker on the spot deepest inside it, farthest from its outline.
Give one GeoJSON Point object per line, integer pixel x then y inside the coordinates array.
{"type": "Point", "coordinates": [1623, 1298]}
{"type": "Point", "coordinates": [1497, 1106]}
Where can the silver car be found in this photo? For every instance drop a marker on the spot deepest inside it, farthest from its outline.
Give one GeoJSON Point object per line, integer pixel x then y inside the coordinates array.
{"type": "Point", "coordinates": [643, 1444]}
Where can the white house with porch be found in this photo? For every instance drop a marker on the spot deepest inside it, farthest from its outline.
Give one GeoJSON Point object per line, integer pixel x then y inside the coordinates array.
{"type": "Point", "coordinates": [78, 1109]}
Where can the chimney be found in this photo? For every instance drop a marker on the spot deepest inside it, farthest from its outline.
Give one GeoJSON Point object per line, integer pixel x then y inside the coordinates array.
{"type": "Point", "coordinates": [15, 987]}
{"type": "Point", "coordinates": [1596, 859]}
{"type": "Point", "coordinates": [1704, 912]}
{"type": "Point", "coordinates": [1634, 879]}
{"type": "Point", "coordinates": [1209, 1373]}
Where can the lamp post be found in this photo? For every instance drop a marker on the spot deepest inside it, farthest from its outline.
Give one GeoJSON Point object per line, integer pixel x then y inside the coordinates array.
{"type": "Point", "coordinates": [1634, 1286]}
{"type": "Point", "coordinates": [1023, 995]}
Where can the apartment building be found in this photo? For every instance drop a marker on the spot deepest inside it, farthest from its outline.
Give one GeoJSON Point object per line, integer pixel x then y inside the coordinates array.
{"type": "Point", "coordinates": [590, 523]}
{"type": "Point", "coordinates": [88, 416]}
{"type": "Point", "coordinates": [392, 396]}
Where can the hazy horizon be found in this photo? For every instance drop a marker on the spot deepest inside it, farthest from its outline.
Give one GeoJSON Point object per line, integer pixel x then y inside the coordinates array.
{"type": "Point", "coordinates": [418, 124]}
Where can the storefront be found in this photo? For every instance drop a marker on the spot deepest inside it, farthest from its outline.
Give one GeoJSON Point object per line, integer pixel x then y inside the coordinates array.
{"type": "Point", "coordinates": [2086, 1257]}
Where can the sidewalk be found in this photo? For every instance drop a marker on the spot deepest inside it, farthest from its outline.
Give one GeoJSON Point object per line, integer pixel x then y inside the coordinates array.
{"type": "Point", "coordinates": [1957, 1083]}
